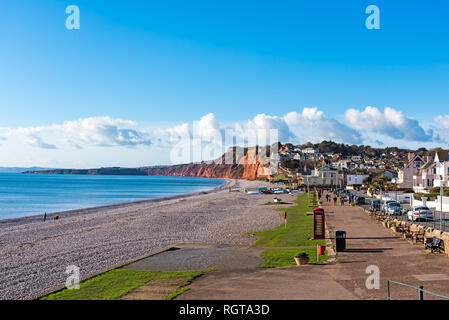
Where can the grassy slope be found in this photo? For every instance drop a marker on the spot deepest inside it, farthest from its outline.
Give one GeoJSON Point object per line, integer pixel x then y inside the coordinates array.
{"type": "Point", "coordinates": [115, 283]}
{"type": "Point", "coordinates": [298, 232]}
{"type": "Point", "coordinates": [299, 228]}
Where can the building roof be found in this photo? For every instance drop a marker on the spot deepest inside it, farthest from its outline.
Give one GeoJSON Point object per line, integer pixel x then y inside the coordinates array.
{"type": "Point", "coordinates": [415, 158]}
{"type": "Point", "coordinates": [443, 155]}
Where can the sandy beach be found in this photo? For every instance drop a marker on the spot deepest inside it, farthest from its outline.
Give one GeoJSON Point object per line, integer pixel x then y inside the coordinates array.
{"type": "Point", "coordinates": [35, 254]}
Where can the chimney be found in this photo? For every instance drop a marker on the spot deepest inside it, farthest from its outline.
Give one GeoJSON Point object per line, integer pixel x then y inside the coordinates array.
{"type": "Point", "coordinates": [410, 156]}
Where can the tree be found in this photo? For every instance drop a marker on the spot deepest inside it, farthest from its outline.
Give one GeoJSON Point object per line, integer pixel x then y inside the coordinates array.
{"type": "Point", "coordinates": [367, 181]}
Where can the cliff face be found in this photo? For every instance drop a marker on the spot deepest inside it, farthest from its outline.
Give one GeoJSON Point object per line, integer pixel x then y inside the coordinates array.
{"type": "Point", "coordinates": [245, 165]}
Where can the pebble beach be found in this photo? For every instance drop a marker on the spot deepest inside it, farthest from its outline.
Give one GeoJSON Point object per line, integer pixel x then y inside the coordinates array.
{"type": "Point", "coordinates": [35, 254]}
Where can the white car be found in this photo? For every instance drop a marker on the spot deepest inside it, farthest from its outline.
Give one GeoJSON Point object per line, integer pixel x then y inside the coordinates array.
{"type": "Point", "coordinates": [385, 205]}
{"type": "Point", "coordinates": [419, 213]}
{"type": "Point", "coordinates": [394, 208]}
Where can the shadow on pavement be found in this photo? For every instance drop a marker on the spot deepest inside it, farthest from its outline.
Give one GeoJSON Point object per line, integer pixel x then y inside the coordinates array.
{"type": "Point", "coordinates": [367, 250]}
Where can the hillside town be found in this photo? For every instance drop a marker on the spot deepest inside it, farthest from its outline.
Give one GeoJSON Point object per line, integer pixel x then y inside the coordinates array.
{"type": "Point", "coordinates": [407, 174]}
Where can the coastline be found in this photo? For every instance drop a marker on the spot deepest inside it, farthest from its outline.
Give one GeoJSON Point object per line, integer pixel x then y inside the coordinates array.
{"type": "Point", "coordinates": [35, 254]}
{"type": "Point", "coordinates": [87, 210]}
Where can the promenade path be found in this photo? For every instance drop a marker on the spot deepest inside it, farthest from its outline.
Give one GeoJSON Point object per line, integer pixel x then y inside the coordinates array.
{"type": "Point", "coordinates": [343, 278]}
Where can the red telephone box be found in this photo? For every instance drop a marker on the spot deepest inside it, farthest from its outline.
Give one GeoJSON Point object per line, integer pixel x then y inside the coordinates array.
{"type": "Point", "coordinates": [318, 223]}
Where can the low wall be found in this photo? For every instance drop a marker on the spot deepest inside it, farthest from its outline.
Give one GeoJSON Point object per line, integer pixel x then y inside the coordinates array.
{"type": "Point", "coordinates": [435, 205]}
{"type": "Point", "coordinates": [401, 197]}
{"type": "Point", "coordinates": [429, 233]}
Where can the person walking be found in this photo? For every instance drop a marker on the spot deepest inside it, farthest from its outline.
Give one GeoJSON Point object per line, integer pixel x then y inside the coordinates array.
{"type": "Point", "coordinates": [327, 197]}
{"type": "Point", "coordinates": [335, 200]}
{"type": "Point", "coordinates": [342, 201]}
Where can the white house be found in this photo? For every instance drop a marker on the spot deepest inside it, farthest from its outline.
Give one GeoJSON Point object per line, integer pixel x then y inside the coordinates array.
{"type": "Point", "coordinates": [441, 172]}
{"type": "Point", "coordinates": [355, 179]}
{"type": "Point", "coordinates": [323, 176]}
{"type": "Point", "coordinates": [411, 168]}
{"type": "Point", "coordinates": [434, 173]}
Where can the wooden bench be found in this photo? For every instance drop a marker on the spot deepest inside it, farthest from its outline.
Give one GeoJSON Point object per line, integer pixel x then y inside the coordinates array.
{"type": "Point", "coordinates": [418, 235]}
{"type": "Point", "coordinates": [403, 227]}
{"type": "Point", "coordinates": [435, 244]}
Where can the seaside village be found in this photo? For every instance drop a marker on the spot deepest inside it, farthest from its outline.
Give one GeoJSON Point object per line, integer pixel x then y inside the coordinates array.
{"type": "Point", "coordinates": [413, 178]}
{"type": "Point", "coordinates": [407, 191]}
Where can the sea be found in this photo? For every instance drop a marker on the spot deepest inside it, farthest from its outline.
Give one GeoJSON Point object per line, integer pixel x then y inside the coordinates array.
{"type": "Point", "coordinates": [33, 194]}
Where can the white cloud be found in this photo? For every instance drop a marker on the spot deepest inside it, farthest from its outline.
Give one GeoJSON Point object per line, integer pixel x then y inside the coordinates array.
{"type": "Point", "coordinates": [103, 131]}
{"type": "Point", "coordinates": [36, 141]}
{"type": "Point", "coordinates": [166, 137]}
{"type": "Point", "coordinates": [81, 143]}
{"type": "Point", "coordinates": [390, 122]}
{"type": "Point", "coordinates": [312, 125]}
{"type": "Point", "coordinates": [208, 129]}
{"type": "Point", "coordinates": [309, 125]}
{"type": "Point", "coordinates": [95, 131]}
{"type": "Point", "coordinates": [208, 134]}
{"type": "Point", "coordinates": [261, 125]}
{"type": "Point", "coordinates": [443, 121]}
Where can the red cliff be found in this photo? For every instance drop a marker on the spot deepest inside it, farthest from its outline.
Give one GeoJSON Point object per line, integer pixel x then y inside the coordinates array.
{"type": "Point", "coordinates": [244, 164]}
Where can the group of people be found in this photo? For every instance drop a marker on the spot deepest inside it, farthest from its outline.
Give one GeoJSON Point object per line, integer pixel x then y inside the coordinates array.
{"type": "Point", "coordinates": [328, 199]}
{"type": "Point", "coordinates": [351, 199]}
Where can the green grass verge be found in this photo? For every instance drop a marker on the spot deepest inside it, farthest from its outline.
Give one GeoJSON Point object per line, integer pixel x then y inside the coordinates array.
{"type": "Point", "coordinates": [173, 295]}
{"type": "Point", "coordinates": [113, 284]}
{"type": "Point", "coordinates": [279, 177]}
{"type": "Point", "coordinates": [299, 228]}
{"type": "Point", "coordinates": [285, 257]}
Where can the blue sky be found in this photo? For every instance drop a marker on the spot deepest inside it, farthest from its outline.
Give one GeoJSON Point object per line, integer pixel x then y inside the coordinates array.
{"type": "Point", "coordinates": [160, 64]}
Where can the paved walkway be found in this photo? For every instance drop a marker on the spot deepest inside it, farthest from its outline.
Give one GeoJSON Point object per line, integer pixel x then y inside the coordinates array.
{"type": "Point", "coordinates": [368, 244]}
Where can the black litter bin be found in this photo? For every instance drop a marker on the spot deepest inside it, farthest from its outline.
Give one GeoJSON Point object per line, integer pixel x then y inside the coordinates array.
{"type": "Point", "coordinates": [340, 240]}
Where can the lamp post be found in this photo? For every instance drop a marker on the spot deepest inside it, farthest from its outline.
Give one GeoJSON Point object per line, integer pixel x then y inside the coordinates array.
{"type": "Point", "coordinates": [441, 203]}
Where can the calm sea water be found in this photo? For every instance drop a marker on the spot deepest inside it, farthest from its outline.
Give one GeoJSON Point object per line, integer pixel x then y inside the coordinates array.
{"type": "Point", "coordinates": [30, 194]}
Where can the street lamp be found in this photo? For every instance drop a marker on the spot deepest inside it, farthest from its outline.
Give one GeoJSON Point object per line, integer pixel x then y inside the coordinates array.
{"type": "Point", "coordinates": [441, 201]}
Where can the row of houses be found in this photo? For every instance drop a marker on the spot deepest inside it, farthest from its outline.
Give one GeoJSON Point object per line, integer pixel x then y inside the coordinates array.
{"type": "Point", "coordinates": [417, 172]}
{"type": "Point", "coordinates": [328, 176]}
{"type": "Point", "coordinates": [422, 173]}
{"type": "Point", "coordinates": [434, 172]}
{"type": "Point", "coordinates": [338, 161]}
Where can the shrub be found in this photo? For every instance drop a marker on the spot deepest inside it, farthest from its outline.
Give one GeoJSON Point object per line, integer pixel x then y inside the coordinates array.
{"type": "Point", "coordinates": [302, 255]}
{"type": "Point", "coordinates": [436, 190]}
{"type": "Point", "coordinates": [430, 196]}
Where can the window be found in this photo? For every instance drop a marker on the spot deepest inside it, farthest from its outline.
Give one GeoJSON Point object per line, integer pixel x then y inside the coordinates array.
{"type": "Point", "coordinates": [417, 164]}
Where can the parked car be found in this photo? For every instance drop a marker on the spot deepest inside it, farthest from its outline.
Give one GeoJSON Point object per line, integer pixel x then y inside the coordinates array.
{"type": "Point", "coordinates": [375, 205]}
{"type": "Point", "coordinates": [419, 213]}
{"type": "Point", "coordinates": [360, 200]}
{"type": "Point", "coordinates": [385, 205]}
{"type": "Point", "coordinates": [394, 208]}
